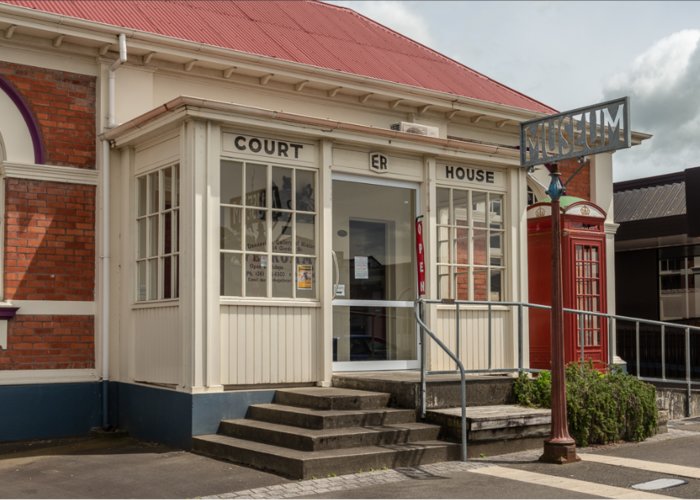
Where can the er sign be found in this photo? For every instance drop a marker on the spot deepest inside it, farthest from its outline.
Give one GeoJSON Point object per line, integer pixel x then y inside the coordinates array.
{"type": "Point", "coordinates": [576, 133]}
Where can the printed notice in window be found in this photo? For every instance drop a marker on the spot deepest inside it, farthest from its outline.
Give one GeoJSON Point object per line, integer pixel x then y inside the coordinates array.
{"type": "Point", "coordinates": [361, 268]}
{"type": "Point", "coordinates": [305, 274]}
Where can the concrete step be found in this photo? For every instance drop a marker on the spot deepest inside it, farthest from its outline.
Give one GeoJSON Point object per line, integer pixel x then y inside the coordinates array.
{"type": "Point", "coordinates": [326, 439]}
{"type": "Point", "coordinates": [317, 464]}
{"type": "Point", "coordinates": [328, 419]}
{"type": "Point", "coordinates": [495, 429]}
{"type": "Point", "coordinates": [442, 390]}
{"type": "Point", "coordinates": [331, 398]}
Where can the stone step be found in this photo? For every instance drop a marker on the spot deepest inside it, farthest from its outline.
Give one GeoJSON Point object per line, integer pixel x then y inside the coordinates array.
{"type": "Point", "coordinates": [328, 419]}
{"type": "Point", "coordinates": [331, 398]}
{"type": "Point", "coordinates": [325, 439]}
{"type": "Point", "coordinates": [495, 429]}
{"type": "Point", "coordinates": [317, 464]}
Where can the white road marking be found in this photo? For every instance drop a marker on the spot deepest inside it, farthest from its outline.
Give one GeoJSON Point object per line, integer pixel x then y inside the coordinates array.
{"type": "Point", "coordinates": [671, 469]}
{"type": "Point", "coordinates": [564, 483]}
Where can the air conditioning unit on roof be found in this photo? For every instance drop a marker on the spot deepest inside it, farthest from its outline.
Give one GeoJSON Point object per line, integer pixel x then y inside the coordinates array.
{"type": "Point", "coordinates": [416, 128]}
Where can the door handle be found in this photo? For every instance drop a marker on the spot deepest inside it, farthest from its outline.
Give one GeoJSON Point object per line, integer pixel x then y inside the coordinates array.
{"type": "Point", "coordinates": [337, 273]}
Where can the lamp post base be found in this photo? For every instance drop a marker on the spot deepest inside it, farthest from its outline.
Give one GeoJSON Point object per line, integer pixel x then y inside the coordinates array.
{"type": "Point", "coordinates": [559, 452]}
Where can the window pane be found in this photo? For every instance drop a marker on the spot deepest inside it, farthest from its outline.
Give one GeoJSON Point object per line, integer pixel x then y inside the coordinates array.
{"type": "Point", "coordinates": [176, 231]}
{"type": "Point", "coordinates": [176, 276]}
{"type": "Point", "coordinates": [481, 284]}
{"type": "Point", "coordinates": [461, 246]}
{"type": "Point", "coordinates": [480, 242]}
{"type": "Point", "coordinates": [231, 179]}
{"type": "Point", "coordinates": [153, 236]}
{"type": "Point", "coordinates": [305, 278]}
{"type": "Point", "coordinates": [141, 280]}
{"type": "Point", "coordinates": [462, 283]}
{"type": "Point", "coordinates": [176, 185]}
{"type": "Point", "coordinates": [443, 244]}
{"type": "Point", "coordinates": [153, 193]}
{"type": "Point", "coordinates": [444, 291]}
{"type": "Point", "coordinates": [256, 275]}
{"type": "Point", "coordinates": [256, 230]}
{"type": "Point", "coordinates": [282, 232]}
{"type": "Point", "coordinates": [142, 238]}
{"type": "Point", "coordinates": [167, 278]}
{"type": "Point", "coordinates": [479, 209]}
{"type": "Point", "coordinates": [152, 279]}
{"type": "Point", "coordinates": [306, 191]}
{"type": "Point", "coordinates": [167, 188]}
{"type": "Point", "coordinates": [231, 231]}
{"type": "Point", "coordinates": [496, 245]}
{"type": "Point", "coordinates": [256, 185]}
{"type": "Point", "coordinates": [496, 285]}
{"type": "Point", "coordinates": [231, 284]}
{"type": "Point", "coordinates": [306, 234]}
{"type": "Point", "coordinates": [141, 188]}
{"type": "Point", "coordinates": [460, 201]}
{"type": "Point", "coordinates": [167, 232]}
{"type": "Point", "coordinates": [443, 206]}
{"type": "Point", "coordinates": [496, 211]}
{"type": "Point", "coordinates": [282, 280]}
{"type": "Point", "coordinates": [282, 188]}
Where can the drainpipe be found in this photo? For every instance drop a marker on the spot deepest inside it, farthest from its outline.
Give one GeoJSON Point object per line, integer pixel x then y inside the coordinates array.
{"type": "Point", "coordinates": [111, 122]}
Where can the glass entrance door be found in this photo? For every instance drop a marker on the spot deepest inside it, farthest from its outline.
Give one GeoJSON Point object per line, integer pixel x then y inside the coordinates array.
{"type": "Point", "coordinates": [375, 282]}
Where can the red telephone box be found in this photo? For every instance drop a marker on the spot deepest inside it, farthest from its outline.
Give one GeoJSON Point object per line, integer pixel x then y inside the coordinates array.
{"type": "Point", "coordinates": [584, 280]}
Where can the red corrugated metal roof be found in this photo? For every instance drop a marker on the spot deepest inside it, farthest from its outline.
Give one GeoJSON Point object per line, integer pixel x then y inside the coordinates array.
{"type": "Point", "coordinates": [304, 31]}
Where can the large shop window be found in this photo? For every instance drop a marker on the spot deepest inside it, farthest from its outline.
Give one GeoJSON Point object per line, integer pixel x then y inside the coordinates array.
{"type": "Point", "coordinates": [157, 227]}
{"type": "Point", "coordinates": [471, 264]}
{"type": "Point", "coordinates": [268, 231]}
{"type": "Point", "coordinates": [679, 282]}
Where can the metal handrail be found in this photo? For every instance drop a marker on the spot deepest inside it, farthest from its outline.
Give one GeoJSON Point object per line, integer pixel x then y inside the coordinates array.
{"type": "Point", "coordinates": [463, 385]}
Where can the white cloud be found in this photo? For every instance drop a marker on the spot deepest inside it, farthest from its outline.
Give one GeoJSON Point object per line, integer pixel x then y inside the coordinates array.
{"type": "Point", "coordinates": [395, 15]}
{"type": "Point", "coordinates": [663, 85]}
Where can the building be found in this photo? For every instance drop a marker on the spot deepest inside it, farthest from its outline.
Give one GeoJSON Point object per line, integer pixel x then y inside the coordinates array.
{"type": "Point", "coordinates": [208, 200]}
{"type": "Point", "coordinates": [657, 261]}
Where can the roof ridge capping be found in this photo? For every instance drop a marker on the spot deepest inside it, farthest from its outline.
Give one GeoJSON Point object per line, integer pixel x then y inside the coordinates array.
{"type": "Point", "coordinates": [434, 52]}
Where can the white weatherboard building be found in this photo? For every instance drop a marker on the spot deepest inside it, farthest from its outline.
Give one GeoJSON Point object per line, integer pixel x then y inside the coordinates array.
{"type": "Point", "coordinates": [257, 183]}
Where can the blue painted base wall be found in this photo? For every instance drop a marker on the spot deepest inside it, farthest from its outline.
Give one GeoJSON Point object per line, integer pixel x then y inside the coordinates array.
{"type": "Point", "coordinates": [42, 411]}
{"type": "Point", "coordinates": [46, 411]}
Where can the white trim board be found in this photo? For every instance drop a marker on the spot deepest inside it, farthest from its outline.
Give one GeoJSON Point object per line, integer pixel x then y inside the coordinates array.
{"type": "Point", "coordinates": [54, 307]}
{"type": "Point", "coordinates": [17, 377]}
{"type": "Point", "coordinates": [49, 173]}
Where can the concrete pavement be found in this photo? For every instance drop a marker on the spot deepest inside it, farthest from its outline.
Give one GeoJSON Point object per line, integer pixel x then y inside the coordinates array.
{"type": "Point", "coordinates": [103, 467]}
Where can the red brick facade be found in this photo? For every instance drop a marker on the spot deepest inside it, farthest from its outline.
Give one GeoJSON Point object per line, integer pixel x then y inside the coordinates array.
{"type": "Point", "coordinates": [580, 184]}
{"type": "Point", "coordinates": [49, 241]}
{"type": "Point", "coordinates": [49, 343]}
{"type": "Point", "coordinates": [50, 226]}
{"type": "Point", "coordinates": [63, 105]}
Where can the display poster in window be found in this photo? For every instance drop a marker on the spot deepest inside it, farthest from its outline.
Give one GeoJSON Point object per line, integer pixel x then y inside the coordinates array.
{"type": "Point", "coordinates": [305, 275]}
{"type": "Point", "coordinates": [361, 268]}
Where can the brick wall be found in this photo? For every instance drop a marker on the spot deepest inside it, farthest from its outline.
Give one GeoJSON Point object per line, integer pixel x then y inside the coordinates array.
{"type": "Point", "coordinates": [580, 185]}
{"type": "Point", "coordinates": [63, 105]}
{"type": "Point", "coordinates": [49, 241]}
{"type": "Point", "coordinates": [49, 343]}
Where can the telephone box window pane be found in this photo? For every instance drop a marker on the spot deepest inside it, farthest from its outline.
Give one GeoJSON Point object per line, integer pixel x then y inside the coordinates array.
{"type": "Point", "coordinates": [282, 232]}
{"type": "Point", "coordinates": [231, 174]}
{"type": "Point", "coordinates": [443, 206]}
{"type": "Point", "coordinates": [231, 284]}
{"type": "Point", "coordinates": [305, 278]}
{"type": "Point", "coordinates": [282, 281]}
{"type": "Point", "coordinates": [282, 188]}
{"type": "Point", "coordinates": [142, 185]}
{"type": "Point", "coordinates": [231, 230]}
{"type": "Point", "coordinates": [306, 191]}
{"type": "Point", "coordinates": [256, 275]}
{"type": "Point", "coordinates": [460, 201]}
{"type": "Point", "coordinates": [479, 209]}
{"type": "Point", "coordinates": [256, 230]}
{"type": "Point", "coordinates": [256, 185]}
{"type": "Point", "coordinates": [306, 231]}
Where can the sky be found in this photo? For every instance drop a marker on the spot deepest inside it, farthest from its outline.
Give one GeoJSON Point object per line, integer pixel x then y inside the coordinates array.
{"type": "Point", "coordinates": [570, 54]}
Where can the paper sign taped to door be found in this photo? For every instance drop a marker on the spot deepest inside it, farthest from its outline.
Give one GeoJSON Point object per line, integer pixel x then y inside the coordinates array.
{"type": "Point", "coordinates": [361, 268]}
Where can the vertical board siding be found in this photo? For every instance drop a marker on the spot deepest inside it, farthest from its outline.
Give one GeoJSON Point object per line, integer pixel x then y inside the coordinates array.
{"type": "Point", "coordinates": [158, 341]}
{"type": "Point", "coordinates": [269, 344]}
{"type": "Point", "coordinates": [474, 344]}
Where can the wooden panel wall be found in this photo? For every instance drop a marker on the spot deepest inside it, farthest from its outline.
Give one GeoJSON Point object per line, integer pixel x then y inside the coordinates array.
{"type": "Point", "coordinates": [158, 345]}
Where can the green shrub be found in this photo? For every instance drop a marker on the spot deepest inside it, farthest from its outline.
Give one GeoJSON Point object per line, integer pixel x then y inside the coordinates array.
{"type": "Point", "coordinates": [601, 408]}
